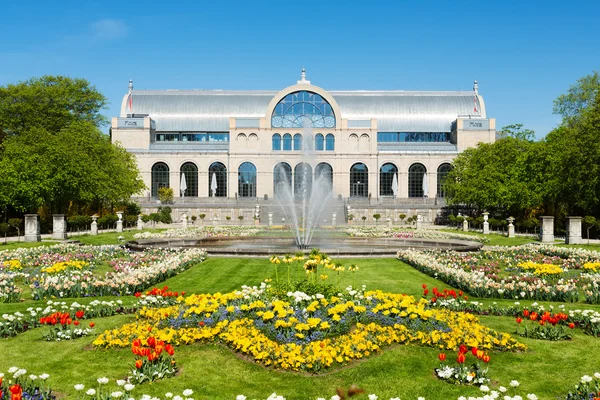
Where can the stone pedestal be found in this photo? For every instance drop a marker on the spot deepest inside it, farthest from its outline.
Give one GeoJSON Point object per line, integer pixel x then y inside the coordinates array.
{"type": "Point", "coordinates": [32, 228]}
{"type": "Point", "coordinates": [573, 235]}
{"type": "Point", "coordinates": [184, 221]}
{"type": "Point", "coordinates": [333, 220]}
{"type": "Point", "coordinates": [547, 229]}
{"type": "Point", "coordinates": [59, 227]}
{"type": "Point", "coordinates": [511, 227]}
{"type": "Point", "coordinates": [215, 221]}
{"type": "Point", "coordinates": [465, 225]}
{"type": "Point", "coordinates": [140, 223]}
{"type": "Point", "coordinates": [120, 221]}
{"type": "Point", "coordinates": [389, 222]}
{"type": "Point", "coordinates": [270, 219]}
{"type": "Point", "coordinates": [419, 221]}
{"type": "Point", "coordinates": [486, 224]}
{"type": "Point", "coordinates": [94, 227]}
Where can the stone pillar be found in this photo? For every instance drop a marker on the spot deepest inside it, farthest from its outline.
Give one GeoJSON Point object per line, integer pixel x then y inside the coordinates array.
{"type": "Point", "coordinates": [94, 227]}
{"type": "Point", "coordinates": [270, 219]}
{"type": "Point", "coordinates": [32, 228]}
{"type": "Point", "coordinates": [333, 221]}
{"type": "Point", "coordinates": [573, 230]}
{"type": "Point", "coordinates": [59, 227]}
{"type": "Point", "coordinates": [140, 223]}
{"type": "Point", "coordinates": [465, 225]}
{"type": "Point", "coordinates": [486, 224]}
{"type": "Point", "coordinates": [389, 222]}
{"type": "Point", "coordinates": [547, 229]}
{"type": "Point", "coordinates": [257, 211]}
{"type": "Point", "coordinates": [511, 227]}
{"type": "Point", "coordinates": [184, 221]}
{"type": "Point", "coordinates": [419, 221]}
{"type": "Point", "coordinates": [120, 221]}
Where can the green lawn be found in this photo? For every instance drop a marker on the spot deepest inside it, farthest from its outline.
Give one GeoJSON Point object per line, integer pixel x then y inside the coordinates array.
{"type": "Point", "coordinates": [549, 369]}
{"type": "Point", "coordinates": [496, 239]}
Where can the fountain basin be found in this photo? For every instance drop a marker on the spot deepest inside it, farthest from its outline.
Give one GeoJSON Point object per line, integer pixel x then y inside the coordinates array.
{"type": "Point", "coordinates": [338, 247]}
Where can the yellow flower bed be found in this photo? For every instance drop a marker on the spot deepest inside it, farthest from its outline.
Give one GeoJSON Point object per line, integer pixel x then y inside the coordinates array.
{"type": "Point", "coordinates": [12, 265]}
{"type": "Point", "coordinates": [592, 266]}
{"type": "Point", "coordinates": [364, 339]}
{"type": "Point", "coordinates": [541, 269]}
{"type": "Point", "coordinates": [65, 265]}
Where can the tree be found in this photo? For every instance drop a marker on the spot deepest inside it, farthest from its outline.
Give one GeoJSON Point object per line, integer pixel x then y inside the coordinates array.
{"type": "Point", "coordinates": [16, 223]}
{"type": "Point", "coordinates": [590, 223]}
{"type": "Point", "coordinates": [376, 218]}
{"type": "Point", "coordinates": [579, 97]}
{"type": "Point", "coordinates": [51, 103]}
{"type": "Point", "coordinates": [516, 131]}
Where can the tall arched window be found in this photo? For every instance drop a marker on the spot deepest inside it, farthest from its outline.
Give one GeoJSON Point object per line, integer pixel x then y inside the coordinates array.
{"type": "Point", "coordinates": [282, 180]}
{"type": "Point", "coordinates": [160, 177]}
{"type": "Point", "coordinates": [190, 171]}
{"type": "Point", "coordinates": [302, 181]}
{"type": "Point", "coordinates": [324, 174]}
{"type": "Point", "coordinates": [442, 173]}
{"type": "Point", "coordinates": [276, 142]}
{"type": "Point", "coordinates": [247, 180]}
{"type": "Point", "coordinates": [297, 141]}
{"type": "Point", "coordinates": [294, 108]}
{"type": "Point", "coordinates": [330, 142]}
{"type": "Point", "coordinates": [319, 142]}
{"type": "Point", "coordinates": [388, 173]}
{"type": "Point", "coordinates": [217, 180]}
{"type": "Point", "coordinates": [416, 183]}
{"type": "Point", "coordinates": [287, 141]}
{"type": "Point", "coordinates": [359, 180]}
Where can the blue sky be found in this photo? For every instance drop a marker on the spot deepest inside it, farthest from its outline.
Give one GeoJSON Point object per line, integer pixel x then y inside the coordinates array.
{"type": "Point", "coordinates": [524, 54]}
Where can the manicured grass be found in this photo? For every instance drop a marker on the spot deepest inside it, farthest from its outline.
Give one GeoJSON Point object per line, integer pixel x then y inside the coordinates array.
{"type": "Point", "coordinates": [18, 245]}
{"type": "Point", "coordinates": [213, 371]}
{"type": "Point", "coordinates": [495, 238]}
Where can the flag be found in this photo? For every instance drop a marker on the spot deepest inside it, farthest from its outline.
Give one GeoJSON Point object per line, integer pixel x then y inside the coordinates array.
{"type": "Point", "coordinates": [130, 103]}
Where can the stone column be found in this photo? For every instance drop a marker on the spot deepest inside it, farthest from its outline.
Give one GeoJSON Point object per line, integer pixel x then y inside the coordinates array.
{"type": "Point", "coordinates": [59, 227]}
{"type": "Point", "coordinates": [465, 225]}
{"type": "Point", "coordinates": [270, 219]}
{"type": "Point", "coordinates": [573, 230]}
{"type": "Point", "coordinates": [486, 224]}
{"type": "Point", "coordinates": [184, 221]}
{"type": "Point", "coordinates": [94, 227]}
{"type": "Point", "coordinates": [419, 221]}
{"type": "Point", "coordinates": [511, 227]}
{"type": "Point", "coordinates": [140, 223]}
{"type": "Point", "coordinates": [547, 229]}
{"type": "Point", "coordinates": [32, 228]}
{"type": "Point", "coordinates": [120, 221]}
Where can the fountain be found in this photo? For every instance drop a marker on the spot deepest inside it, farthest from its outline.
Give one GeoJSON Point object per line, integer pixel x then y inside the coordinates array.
{"type": "Point", "coordinates": [311, 195]}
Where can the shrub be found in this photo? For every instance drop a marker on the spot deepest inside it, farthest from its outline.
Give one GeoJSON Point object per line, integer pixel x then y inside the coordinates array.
{"type": "Point", "coordinates": [107, 221]}
{"type": "Point", "coordinates": [165, 195]}
{"type": "Point", "coordinates": [146, 218]}
{"type": "Point", "coordinates": [165, 215]}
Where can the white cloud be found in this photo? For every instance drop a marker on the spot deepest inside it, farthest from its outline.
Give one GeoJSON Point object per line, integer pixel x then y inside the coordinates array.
{"type": "Point", "coordinates": [108, 29]}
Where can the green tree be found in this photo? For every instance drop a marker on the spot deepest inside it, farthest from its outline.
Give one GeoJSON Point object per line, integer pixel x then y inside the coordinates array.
{"type": "Point", "coordinates": [516, 131]}
{"type": "Point", "coordinates": [51, 103]}
{"type": "Point", "coordinates": [578, 98]}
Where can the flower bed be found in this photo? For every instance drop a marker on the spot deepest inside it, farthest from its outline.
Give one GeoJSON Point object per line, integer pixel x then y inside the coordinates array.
{"type": "Point", "coordinates": [511, 272]}
{"type": "Point", "coordinates": [404, 233]}
{"type": "Point", "coordinates": [201, 231]}
{"type": "Point", "coordinates": [309, 333]}
{"type": "Point", "coordinates": [71, 271]}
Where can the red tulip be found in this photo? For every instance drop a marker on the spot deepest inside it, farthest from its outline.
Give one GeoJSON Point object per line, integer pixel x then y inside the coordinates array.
{"type": "Point", "coordinates": [480, 354]}
{"type": "Point", "coordinates": [486, 359]}
{"type": "Point", "coordinates": [474, 351]}
{"type": "Point", "coordinates": [170, 350]}
{"type": "Point", "coordinates": [442, 356]}
{"type": "Point", "coordinates": [461, 358]}
{"type": "Point", "coordinates": [16, 392]}
{"type": "Point", "coordinates": [571, 325]}
{"type": "Point", "coordinates": [519, 320]}
{"type": "Point", "coordinates": [139, 363]}
{"type": "Point", "coordinates": [526, 313]}
{"type": "Point", "coordinates": [462, 349]}
{"type": "Point", "coordinates": [76, 323]}
{"type": "Point", "coordinates": [136, 343]}
{"type": "Point", "coordinates": [151, 341]}
{"type": "Point", "coordinates": [92, 324]}
{"type": "Point", "coordinates": [201, 323]}
{"type": "Point", "coordinates": [79, 314]}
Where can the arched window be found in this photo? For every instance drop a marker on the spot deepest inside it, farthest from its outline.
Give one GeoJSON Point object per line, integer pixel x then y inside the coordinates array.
{"type": "Point", "coordinates": [276, 140]}
{"type": "Point", "coordinates": [324, 175]}
{"type": "Point", "coordinates": [416, 183]}
{"type": "Point", "coordinates": [294, 108]}
{"type": "Point", "coordinates": [442, 173]}
{"type": "Point", "coordinates": [353, 142]}
{"type": "Point", "coordinates": [330, 142]}
{"type": "Point", "coordinates": [247, 180]}
{"type": "Point", "coordinates": [359, 180]}
{"type": "Point", "coordinates": [319, 141]}
{"type": "Point", "coordinates": [282, 180]}
{"type": "Point", "coordinates": [297, 141]}
{"type": "Point", "coordinates": [160, 177]}
{"type": "Point", "coordinates": [217, 180]}
{"type": "Point", "coordinates": [190, 171]}
{"type": "Point", "coordinates": [302, 181]}
{"type": "Point", "coordinates": [287, 141]}
{"type": "Point", "coordinates": [388, 174]}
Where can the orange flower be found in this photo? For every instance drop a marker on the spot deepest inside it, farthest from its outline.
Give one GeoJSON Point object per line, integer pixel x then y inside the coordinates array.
{"type": "Point", "coordinates": [92, 324]}
{"type": "Point", "coordinates": [474, 351]}
{"type": "Point", "coordinates": [571, 325]}
{"type": "Point", "coordinates": [151, 341]}
{"type": "Point", "coordinates": [461, 358]}
{"type": "Point", "coordinates": [169, 349]}
{"type": "Point", "coordinates": [480, 354]}
{"type": "Point", "coordinates": [79, 314]}
{"type": "Point", "coordinates": [519, 320]}
{"type": "Point", "coordinates": [139, 363]}
{"type": "Point", "coordinates": [16, 392]}
{"type": "Point", "coordinates": [442, 356]}
{"type": "Point", "coordinates": [526, 313]}
{"type": "Point", "coordinates": [462, 349]}
{"type": "Point", "coordinates": [486, 359]}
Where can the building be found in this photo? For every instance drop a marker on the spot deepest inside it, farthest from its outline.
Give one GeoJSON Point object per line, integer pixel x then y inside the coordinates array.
{"type": "Point", "coordinates": [375, 145]}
